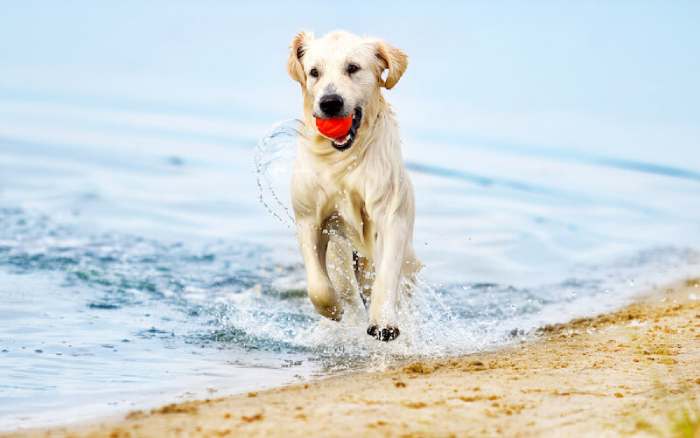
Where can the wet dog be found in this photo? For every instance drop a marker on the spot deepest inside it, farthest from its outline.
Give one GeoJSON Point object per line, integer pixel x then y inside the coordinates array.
{"type": "Point", "coordinates": [352, 197]}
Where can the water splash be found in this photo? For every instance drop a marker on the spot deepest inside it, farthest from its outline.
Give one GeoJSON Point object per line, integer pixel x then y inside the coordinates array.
{"type": "Point", "coordinates": [274, 156]}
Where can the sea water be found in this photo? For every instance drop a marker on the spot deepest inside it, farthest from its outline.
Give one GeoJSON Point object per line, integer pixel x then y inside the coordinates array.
{"type": "Point", "coordinates": [147, 251]}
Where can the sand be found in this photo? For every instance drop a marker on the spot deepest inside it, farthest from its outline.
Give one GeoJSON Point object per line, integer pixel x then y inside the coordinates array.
{"type": "Point", "coordinates": [631, 372]}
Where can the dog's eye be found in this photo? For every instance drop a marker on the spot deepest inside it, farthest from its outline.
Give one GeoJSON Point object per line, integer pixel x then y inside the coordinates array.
{"type": "Point", "coordinates": [352, 68]}
{"type": "Point", "coordinates": [313, 72]}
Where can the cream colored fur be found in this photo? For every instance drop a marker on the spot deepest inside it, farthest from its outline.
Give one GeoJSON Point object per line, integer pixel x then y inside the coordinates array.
{"type": "Point", "coordinates": [358, 200]}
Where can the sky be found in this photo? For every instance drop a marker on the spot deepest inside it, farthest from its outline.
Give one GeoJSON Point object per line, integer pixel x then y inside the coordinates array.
{"type": "Point", "coordinates": [616, 78]}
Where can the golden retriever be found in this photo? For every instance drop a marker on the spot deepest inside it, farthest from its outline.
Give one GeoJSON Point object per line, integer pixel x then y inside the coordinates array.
{"type": "Point", "coordinates": [352, 197]}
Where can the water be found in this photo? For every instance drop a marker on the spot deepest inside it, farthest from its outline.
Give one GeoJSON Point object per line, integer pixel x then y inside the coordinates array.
{"type": "Point", "coordinates": [557, 174]}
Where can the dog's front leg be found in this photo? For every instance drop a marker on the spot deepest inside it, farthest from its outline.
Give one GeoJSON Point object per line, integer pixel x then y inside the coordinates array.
{"type": "Point", "coordinates": [313, 245]}
{"type": "Point", "coordinates": [390, 248]}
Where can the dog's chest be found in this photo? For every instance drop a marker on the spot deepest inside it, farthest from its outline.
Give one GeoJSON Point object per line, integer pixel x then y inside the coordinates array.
{"type": "Point", "coordinates": [349, 203]}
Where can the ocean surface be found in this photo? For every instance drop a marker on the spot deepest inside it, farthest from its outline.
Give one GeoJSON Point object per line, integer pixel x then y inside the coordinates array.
{"type": "Point", "coordinates": [146, 254]}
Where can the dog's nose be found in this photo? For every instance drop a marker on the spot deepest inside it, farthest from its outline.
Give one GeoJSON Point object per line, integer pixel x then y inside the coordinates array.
{"type": "Point", "coordinates": [331, 104]}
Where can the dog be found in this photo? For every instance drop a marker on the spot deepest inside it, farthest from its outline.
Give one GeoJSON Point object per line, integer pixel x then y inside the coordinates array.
{"type": "Point", "coordinates": [352, 198]}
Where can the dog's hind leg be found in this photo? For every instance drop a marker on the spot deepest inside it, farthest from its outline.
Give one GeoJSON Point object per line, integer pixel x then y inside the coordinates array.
{"type": "Point", "coordinates": [364, 277]}
{"type": "Point", "coordinates": [340, 265]}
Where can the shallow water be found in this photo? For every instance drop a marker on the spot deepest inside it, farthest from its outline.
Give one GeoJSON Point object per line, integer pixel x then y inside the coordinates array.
{"type": "Point", "coordinates": [138, 263]}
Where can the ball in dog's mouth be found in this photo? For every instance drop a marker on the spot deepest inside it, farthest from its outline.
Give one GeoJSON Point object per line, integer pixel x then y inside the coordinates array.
{"type": "Point", "coordinates": [333, 130]}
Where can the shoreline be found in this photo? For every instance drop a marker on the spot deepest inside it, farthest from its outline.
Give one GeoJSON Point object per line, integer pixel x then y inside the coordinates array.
{"type": "Point", "coordinates": [632, 371]}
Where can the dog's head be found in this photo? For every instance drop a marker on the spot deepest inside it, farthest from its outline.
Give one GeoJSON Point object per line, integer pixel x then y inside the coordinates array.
{"type": "Point", "coordinates": [340, 74]}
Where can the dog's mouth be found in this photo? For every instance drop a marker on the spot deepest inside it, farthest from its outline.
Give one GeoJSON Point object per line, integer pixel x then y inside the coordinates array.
{"type": "Point", "coordinates": [343, 144]}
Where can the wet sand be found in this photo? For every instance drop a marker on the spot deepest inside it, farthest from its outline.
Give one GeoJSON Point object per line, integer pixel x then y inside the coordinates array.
{"type": "Point", "coordinates": [631, 372]}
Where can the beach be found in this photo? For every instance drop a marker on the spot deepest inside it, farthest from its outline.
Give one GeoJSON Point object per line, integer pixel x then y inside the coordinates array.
{"type": "Point", "coordinates": [629, 372]}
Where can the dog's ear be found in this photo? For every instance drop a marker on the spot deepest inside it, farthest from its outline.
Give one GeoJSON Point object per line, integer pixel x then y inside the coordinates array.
{"type": "Point", "coordinates": [296, 53]}
{"type": "Point", "coordinates": [394, 60]}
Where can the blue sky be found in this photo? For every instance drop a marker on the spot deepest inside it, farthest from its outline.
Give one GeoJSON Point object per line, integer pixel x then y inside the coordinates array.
{"type": "Point", "coordinates": [600, 75]}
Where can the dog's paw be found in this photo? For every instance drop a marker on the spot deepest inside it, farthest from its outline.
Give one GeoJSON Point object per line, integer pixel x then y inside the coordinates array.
{"type": "Point", "coordinates": [385, 334]}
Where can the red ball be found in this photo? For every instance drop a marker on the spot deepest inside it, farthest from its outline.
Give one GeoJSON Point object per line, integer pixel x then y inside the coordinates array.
{"type": "Point", "coordinates": [335, 128]}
